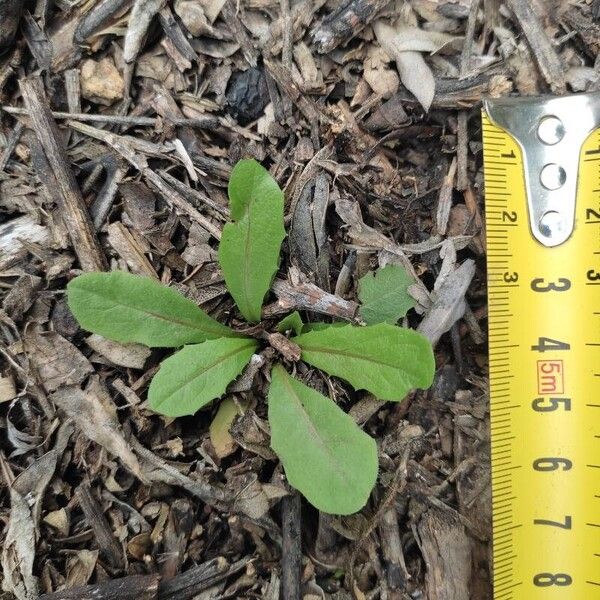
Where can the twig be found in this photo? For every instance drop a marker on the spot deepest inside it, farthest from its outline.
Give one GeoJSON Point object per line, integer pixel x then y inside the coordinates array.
{"type": "Point", "coordinates": [146, 587]}
{"type": "Point", "coordinates": [160, 470]}
{"type": "Point", "coordinates": [307, 296]}
{"type": "Point", "coordinates": [104, 200]}
{"type": "Point", "coordinates": [291, 551]}
{"type": "Point", "coordinates": [547, 59]}
{"type": "Point", "coordinates": [71, 205]}
{"type": "Point", "coordinates": [123, 147]}
{"type": "Point", "coordinates": [397, 485]}
{"type": "Point", "coordinates": [286, 53]}
{"type": "Point", "coordinates": [198, 122]}
{"type": "Point", "coordinates": [188, 585]}
{"type": "Point", "coordinates": [105, 538]}
{"type": "Point", "coordinates": [391, 544]}
{"type": "Point", "coordinates": [229, 13]}
{"type": "Point", "coordinates": [465, 57]}
{"type": "Point", "coordinates": [344, 23]}
{"type": "Point", "coordinates": [201, 198]}
{"type": "Point", "coordinates": [134, 587]}
{"type": "Point", "coordinates": [11, 144]}
{"type": "Point", "coordinates": [462, 151]}
{"type": "Point", "coordinates": [286, 84]}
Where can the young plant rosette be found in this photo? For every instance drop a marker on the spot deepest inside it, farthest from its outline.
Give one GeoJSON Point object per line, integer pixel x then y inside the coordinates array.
{"type": "Point", "coordinates": [325, 454]}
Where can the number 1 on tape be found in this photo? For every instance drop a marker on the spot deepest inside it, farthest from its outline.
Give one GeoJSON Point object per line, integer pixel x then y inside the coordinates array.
{"type": "Point", "coordinates": [542, 196]}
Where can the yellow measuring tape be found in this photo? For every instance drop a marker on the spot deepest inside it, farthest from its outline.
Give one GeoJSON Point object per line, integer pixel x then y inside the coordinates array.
{"type": "Point", "coordinates": [544, 346]}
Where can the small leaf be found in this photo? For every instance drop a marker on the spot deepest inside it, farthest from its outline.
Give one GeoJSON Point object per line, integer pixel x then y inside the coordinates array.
{"type": "Point", "coordinates": [249, 249]}
{"type": "Point", "coordinates": [220, 438]}
{"type": "Point", "coordinates": [325, 454]}
{"type": "Point", "coordinates": [383, 359]}
{"type": "Point", "coordinates": [129, 308]}
{"type": "Point", "coordinates": [198, 374]}
{"type": "Point", "coordinates": [292, 322]}
{"type": "Point", "coordinates": [384, 295]}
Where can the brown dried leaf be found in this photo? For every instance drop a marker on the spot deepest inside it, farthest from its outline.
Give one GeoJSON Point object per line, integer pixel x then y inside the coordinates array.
{"type": "Point", "coordinates": [142, 13]}
{"type": "Point", "coordinates": [57, 361]}
{"type": "Point", "coordinates": [414, 72]}
{"type": "Point", "coordinates": [18, 552]}
{"type": "Point", "coordinates": [132, 356]}
{"type": "Point", "coordinates": [80, 568]}
{"type": "Point", "coordinates": [96, 423]}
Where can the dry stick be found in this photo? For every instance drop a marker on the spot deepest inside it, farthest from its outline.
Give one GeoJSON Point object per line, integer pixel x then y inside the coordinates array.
{"type": "Point", "coordinates": [548, 61]}
{"type": "Point", "coordinates": [286, 54]}
{"type": "Point", "coordinates": [201, 489]}
{"type": "Point", "coordinates": [229, 13]}
{"type": "Point", "coordinates": [11, 144]}
{"type": "Point", "coordinates": [291, 551]}
{"type": "Point", "coordinates": [465, 57]}
{"type": "Point", "coordinates": [71, 205]}
{"type": "Point", "coordinates": [344, 23]}
{"type": "Point", "coordinates": [284, 80]}
{"type": "Point", "coordinates": [95, 518]}
{"type": "Point", "coordinates": [199, 123]}
{"type": "Point", "coordinates": [104, 200]}
{"type": "Point", "coordinates": [172, 197]}
{"type": "Point", "coordinates": [462, 152]}
{"type": "Point", "coordinates": [200, 197]}
{"type": "Point", "coordinates": [397, 486]}
{"type": "Point", "coordinates": [134, 587]}
{"type": "Point", "coordinates": [391, 545]}
{"type": "Point", "coordinates": [73, 88]}
{"type": "Point", "coordinates": [307, 296]}
{"type": "Point", "coordinates": [190, 584]}
{"type": "Point", "coordinates": [146, 587]}
{"type": "Point", "coordinates": [491, 13]}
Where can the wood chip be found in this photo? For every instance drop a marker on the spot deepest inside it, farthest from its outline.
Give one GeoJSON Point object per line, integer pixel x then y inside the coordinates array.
{"type": "Point", "coordinates": [72, 208]}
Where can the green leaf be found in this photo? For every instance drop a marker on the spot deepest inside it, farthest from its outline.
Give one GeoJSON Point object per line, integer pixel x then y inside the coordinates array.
{"type": "Point", "coordinates": [198, 374]}
{"type": "Point", "coordinates": [384, 295]}
{"type": "Point", "coordinates": [249, 249]}
{"type": "Point", "coordinates": [386, 360]}
{"type": "Point", "coordinates": [130, 308]}
{"type": "Point", "coordinates": [324, 452]}
{"type": "Point", "coordinates": [293, 321]}
{"type": "Point", "coordinates": [320, 325]}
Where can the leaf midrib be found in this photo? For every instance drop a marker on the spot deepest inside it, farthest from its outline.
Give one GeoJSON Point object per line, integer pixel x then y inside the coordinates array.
{"type": "Point", "coordinates": [161, 317]}
{"type": "Point", "coordinates": [346, 354]}
{"type": "Point", "coordinates": [312, 427]}
{"type": "Point", "coordinates": [205, 369]}
{"type": "Point", "coordinates": [375, 297]}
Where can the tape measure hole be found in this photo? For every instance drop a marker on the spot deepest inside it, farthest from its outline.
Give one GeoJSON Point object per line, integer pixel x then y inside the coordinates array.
{"type": "Point", "coordinates": [551, 224]}
{"type": "Point", "coordinates": [553, 176]}
{"type": "Point", "coordinates": [551, 130]}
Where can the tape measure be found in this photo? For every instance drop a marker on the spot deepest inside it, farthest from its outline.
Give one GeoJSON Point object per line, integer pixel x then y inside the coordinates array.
{"type": "Point", "coordinates": [542, 196]}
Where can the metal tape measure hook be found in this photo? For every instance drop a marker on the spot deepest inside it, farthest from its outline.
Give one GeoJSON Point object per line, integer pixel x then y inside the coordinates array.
{"type": "Point", "coordinates": [550, 132]}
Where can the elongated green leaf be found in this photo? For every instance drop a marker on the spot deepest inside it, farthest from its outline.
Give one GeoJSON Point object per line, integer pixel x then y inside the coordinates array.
{"type": "Point", "coordinates": [384, 295]}
{"type": "Point", "coordinates": [292, 322]}
{"type": "Point", "coordinates": [386, 360]}
{"type": "Point", "coordinates": [129, 308]}
{"type": "Point", "coordinates": [323, 451]}
{"type": "Point", "coordinates": [249, 249]}
{"type": "Point", "coordinates": [198, 374]}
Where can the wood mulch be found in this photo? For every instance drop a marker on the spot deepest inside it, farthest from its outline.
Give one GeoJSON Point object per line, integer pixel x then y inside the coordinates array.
{"type": "Point", "coordinates": [120, 121]}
